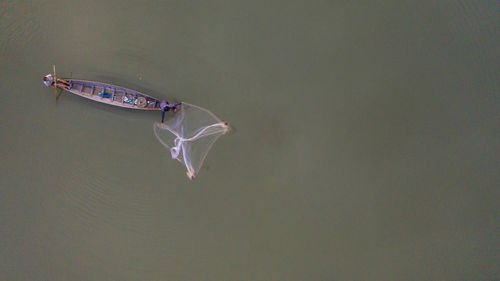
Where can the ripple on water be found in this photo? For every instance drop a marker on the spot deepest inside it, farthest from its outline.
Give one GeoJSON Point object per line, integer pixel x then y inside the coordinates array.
{"type": "Point", "coordinates": [96, 199]}
{"type": "Point", "coordinates": [20, 24]}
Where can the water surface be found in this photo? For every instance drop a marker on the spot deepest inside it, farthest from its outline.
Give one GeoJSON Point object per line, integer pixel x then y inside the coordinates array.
{"type": "Point", "coordinates": [365, 147]}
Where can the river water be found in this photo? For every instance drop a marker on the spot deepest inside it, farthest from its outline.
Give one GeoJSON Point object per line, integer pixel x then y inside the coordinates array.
{"type": "Point", "coordinates": [365, 142]}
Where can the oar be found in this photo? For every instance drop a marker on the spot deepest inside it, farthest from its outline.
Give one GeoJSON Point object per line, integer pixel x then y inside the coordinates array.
{"type": "Point", "coordinates": [59, 94]}
{"type": "Point", "coordinates": [55, 80]}
{"type": "Point", "coordinates": [60, 90]}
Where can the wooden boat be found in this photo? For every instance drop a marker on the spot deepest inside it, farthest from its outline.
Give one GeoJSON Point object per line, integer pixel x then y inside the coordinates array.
{"type": "Point", "coordinates": [106, 93]}
{"type": "Point", "coordinates": [109, 94]}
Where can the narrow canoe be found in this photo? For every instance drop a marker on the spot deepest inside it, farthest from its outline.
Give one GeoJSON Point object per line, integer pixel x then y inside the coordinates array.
{"type": "Point", "coordinates": [113, 95]}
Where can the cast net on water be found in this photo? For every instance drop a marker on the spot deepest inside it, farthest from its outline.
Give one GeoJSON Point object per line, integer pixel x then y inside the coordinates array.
{"type": "Point", "coordinates": [189, 134]}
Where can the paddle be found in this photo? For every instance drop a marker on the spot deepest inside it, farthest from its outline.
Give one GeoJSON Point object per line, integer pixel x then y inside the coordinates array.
{"type": "Point", "coordinates": [55, 80]}
{"type": "Point", "coordinates": [60, 89]}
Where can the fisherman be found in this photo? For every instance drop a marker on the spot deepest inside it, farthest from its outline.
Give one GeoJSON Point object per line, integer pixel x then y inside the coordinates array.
{"type": "Point", "coordinates": [48, 80]}
{"type": "Point", "coordinates": [165, 106]}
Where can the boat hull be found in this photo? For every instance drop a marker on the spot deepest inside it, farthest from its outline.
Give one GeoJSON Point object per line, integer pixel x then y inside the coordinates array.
{"type": "Point", "coordinates": [112, 95]}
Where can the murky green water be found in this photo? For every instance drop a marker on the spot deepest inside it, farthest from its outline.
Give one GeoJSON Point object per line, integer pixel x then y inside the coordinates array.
{"type": "Point", "coordinates": [366, 143]}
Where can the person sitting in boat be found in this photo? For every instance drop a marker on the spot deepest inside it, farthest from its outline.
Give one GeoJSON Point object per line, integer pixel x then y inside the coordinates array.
{"type": "Point", "coordinates": [48, 80]}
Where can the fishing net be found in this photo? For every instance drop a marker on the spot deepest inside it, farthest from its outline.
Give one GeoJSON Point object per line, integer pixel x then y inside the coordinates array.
{"type": "Point", "coordinates": [189, 134]}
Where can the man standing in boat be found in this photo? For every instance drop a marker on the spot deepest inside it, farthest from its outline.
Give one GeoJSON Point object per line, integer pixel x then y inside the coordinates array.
{"type": "Point", "coordinates": [165, 106]}
{"type": "Point", "coordinates": [48, 80]}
